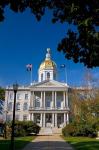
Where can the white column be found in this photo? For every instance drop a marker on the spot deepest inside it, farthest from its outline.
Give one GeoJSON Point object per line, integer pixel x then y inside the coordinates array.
{"type": "Point", "coordinates": [64, 119]}
{"type": "Point", "coordinates": [64, 103]}
{"type": "Point", "coordinates": [30, 116]}
{"type": "Point", "coordinates": [33, 117]}
{"type": "Point", "coordinates": [31, 100]}
{"type": "Point", "coordinates": [67, 99]}
{"type": "Point", "coordinates": [44, 120]}
{"type": "Point", "coordinates": [67, 117]}
{"type": "Point", "coordinates": [44, 100]}
{"type": "Point", "coordinates": [41, 120]}
{"type": "Point", "coordinates": [41, 100]}
{"type": "Point", "coordinates": [55, 99]}
{"type": "Point", "coordinates": [52, 99]}
{"type": "Point", "coordinates": [55, 119]}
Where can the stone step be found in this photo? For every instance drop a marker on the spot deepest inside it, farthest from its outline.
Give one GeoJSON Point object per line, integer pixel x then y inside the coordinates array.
{"type": "Point", "coordinates": [57, 130]}
{"type": "Point", "coordinates": [50, 131]}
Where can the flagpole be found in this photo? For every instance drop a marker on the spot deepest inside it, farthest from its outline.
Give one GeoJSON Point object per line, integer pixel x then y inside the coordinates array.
{"type": "Point", "coordinates": [29, 68]}
{"type": "Point", "coordinates": [65, 75]}
{"type": "Point", "coordinates": [65, 72]}
{"type": "Point", "coordinates": [31, 76]}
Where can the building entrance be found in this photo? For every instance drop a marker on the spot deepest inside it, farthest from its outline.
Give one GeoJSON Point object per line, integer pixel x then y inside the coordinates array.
{"type": "Point", "coordinates": [48, 120]}
{"type": "Point", "coordinates": [37, 118]}
{"type": "Point", "coordinates": [60, 120]}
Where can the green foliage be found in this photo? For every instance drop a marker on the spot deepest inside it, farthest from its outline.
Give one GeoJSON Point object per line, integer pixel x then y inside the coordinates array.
{"type": "Point", "coordinates": [84, 113]}
{"type": "Point", "coordinates": [83, 143]}
{"type": "Point", "coordinates": [19, 132]}
{"type": "Point", "coordinates": [23, 128]}
{"type": "Point", "coordinates": [2, 98]}
{"type": "Point", "coordinates": [80, 45]}
{"type": "Point", "coordinates": [81, 128]}
{"type": "Point", "coordinates": [20, 142]}
{"type": "Point", "coordinates": [2, 93]}
{"type": "Point", "coordinates": [68, 130]}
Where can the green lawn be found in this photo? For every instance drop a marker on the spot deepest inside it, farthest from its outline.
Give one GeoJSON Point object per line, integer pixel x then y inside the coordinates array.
{"type": "Point", "coordinates": [20, 142]}
{"type": "Point", "coordinates": [83, 143]}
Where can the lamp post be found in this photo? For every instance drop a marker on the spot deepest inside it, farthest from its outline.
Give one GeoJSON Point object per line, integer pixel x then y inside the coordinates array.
{"type": "Point", "coordinates": [15, 88]}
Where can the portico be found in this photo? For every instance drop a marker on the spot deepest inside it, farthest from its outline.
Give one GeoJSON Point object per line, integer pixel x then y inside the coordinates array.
{"type": "Point", "coordinates": [49, 104]}
{"type": "Point", "coordinates": [50, 119]}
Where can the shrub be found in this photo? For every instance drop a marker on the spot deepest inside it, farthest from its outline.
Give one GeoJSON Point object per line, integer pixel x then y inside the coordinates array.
{"type": "Point", "coordinates": [80, 129]}
{"type": "Point", "coordinates": [68, 130]}
{"type": "Point", "coordinates": [23, 128]}
{"type": "Point", "coordinates": [21, 132]}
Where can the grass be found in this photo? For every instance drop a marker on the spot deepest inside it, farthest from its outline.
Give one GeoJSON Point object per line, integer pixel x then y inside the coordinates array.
{"type": "Point", "coordinates": [83, 143]}
{"type": "Point", "coordinates": [20, 142]}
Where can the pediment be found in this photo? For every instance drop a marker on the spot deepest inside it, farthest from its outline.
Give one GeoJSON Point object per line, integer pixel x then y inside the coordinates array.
{"type": "Point", "coordinates": [50, 83]}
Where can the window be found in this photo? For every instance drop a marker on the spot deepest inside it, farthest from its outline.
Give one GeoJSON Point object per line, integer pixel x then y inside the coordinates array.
{"type": "Point", "coordinates": [10, 106]}
{"type": "Point", "coordinates": [17, 117]}
{"type": "Point", "coordinates": [11, 96]}
{"type": "Point", "coordinates": [18, 96]}
{"type": "Point", "coordinates": [48, 104]}
{"type": "Point", "coordinates": [26, 96]}
{"type": "Point", "coordinates": [58, 103]}
{"type": "Point", "coordinates": [37, 103]}
{"type": "Point", "coordinates": [24, 117]}
{"type": "Point", "coordinates": [25, 106]}
{"type": "Point", "coordinates": [48, 75]}
{"type": "Point", "coordinates": [9, 117]}
{"type": "Point", "coordinates": [42, 77]}
{"type": "Point", "coordinates": [54, 76]}
{"type": "Point", "coordinates": [17, 106]}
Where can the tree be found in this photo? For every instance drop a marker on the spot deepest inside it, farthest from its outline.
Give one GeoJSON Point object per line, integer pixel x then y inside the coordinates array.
{"type": "Point", "coordinates": [81, 45]}
{"type": "Point", "coordinates": [84, 112]}
{"type": "Point", "coordinates": [85, 104]}
{"type": "Point", "coordinates": [2, 93]}
{"type": "Point", "coordinates": [2, 97]}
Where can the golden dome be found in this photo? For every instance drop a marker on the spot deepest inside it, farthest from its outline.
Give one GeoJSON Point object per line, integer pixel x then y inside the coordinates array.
{"type": "Point", "coordinates": [48, 64]}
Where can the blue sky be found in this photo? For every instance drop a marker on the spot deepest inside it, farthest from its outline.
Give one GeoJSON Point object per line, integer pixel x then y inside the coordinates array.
{"type": "Point", "coordinates": [23, 40]}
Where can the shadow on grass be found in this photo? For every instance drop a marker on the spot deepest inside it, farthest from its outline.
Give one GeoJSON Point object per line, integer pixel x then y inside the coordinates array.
{"type": "Point", "coordinates": [41, 145]}
{"type": "Point", "coordinates": [51, 145]}
{"type": "Point", "coordinates": [87, 145]}
{"type": "Point", "coordinates": [19, 143]}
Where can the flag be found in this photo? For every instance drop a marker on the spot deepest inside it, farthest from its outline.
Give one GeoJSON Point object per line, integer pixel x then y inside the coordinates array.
{"type": "Point", "coordinates": [62, 66]}
{"type": "Point", "coordinates": [29, 67]}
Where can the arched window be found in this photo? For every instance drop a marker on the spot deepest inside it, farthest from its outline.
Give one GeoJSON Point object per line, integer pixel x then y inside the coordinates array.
{"type": "Point", "coordinates": [37, 103]}
{"type": "Point", "coordinates": [48, 75]}
{"type": "Point", "coordinates": [42, 77]}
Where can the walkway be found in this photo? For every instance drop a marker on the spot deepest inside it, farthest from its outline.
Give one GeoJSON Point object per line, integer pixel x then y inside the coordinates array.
{"type": "Point", "coordinates": [48, 142]}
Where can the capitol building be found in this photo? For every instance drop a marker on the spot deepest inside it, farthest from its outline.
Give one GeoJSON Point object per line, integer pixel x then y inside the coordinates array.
{"type": "Point", "coordinates": [44, 102]}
